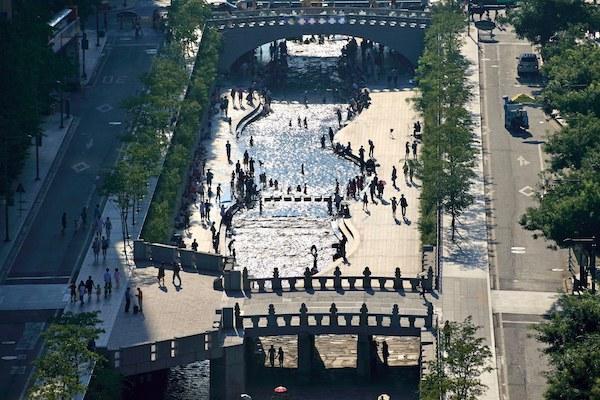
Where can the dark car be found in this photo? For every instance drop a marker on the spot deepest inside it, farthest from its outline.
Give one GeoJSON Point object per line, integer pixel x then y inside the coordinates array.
{"type": "Point", "coordinates": [528, 64]}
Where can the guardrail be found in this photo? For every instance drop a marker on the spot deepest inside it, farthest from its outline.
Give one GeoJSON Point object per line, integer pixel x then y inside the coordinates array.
{"type": "Point", "coordinates": [154, 356]}
{"type": "Point", "coordinates": [406, 4]}
{"type": "Point", "coordinates": [332, 322]}
{"type": "Point", "coordinates": [337, 282]}
{"type": "Point", "coordinates": [164, 253]}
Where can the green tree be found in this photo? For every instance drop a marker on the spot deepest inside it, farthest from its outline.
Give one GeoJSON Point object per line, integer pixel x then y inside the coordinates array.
{"type": "Point", "coordinates": [539, 20]}
{"type": "Point", "coordinates": [68, 354]}
{"type": "Point", "coordinates": [572, 339]}
{"type": "Point", "coordinates": [456, 374]}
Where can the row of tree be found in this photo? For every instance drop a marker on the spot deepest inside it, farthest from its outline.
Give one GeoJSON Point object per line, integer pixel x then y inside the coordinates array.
{"type": "Point", "coordinates": [166, 120]}
{"type": "Point", "coordinates": [569, 199]}
{"type": "Point", "coordinates": [446, 167]}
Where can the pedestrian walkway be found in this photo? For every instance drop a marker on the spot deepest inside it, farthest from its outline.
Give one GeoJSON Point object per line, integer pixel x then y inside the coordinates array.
{"type": "Point", "coordinates": [385, 242]}
{"type": "Point", "coordinates": [213, 151]}
{"type": "Point", "coordinates": [465, 264]}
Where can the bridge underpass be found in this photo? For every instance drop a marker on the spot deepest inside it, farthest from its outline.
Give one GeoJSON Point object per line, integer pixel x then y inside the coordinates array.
{"type": "Point", "coordinates": [243, 31]}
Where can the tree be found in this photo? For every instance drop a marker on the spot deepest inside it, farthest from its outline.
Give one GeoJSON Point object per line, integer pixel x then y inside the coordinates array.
{"type": "Point", "coordinates": [539, 20]}
{"type": "Point", "coordinates": [69, 352]}
{"type": "Point", "coordinates": [572, 339]}
{"type": "Point", "coordinates": [456, 375]}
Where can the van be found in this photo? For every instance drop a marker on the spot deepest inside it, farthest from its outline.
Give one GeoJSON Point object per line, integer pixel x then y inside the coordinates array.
{"type": "Point", "coordinates": [528, 64]}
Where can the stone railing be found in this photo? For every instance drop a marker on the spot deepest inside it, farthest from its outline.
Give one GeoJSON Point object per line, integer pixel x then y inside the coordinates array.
{"type": "Point", "coordinates": [337, 282]}
{"type": "Point", "coordinates": [148, 357]}
{"type": "Point", "coordinates": [333, 322]}
{"type": "Point", "coordinates": [418, 17]}
{"type": "Point", "coordinates": [163, 253]}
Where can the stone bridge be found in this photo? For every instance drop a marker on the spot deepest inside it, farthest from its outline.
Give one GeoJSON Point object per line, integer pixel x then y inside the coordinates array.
{"type": "Point", "coordinates": [243, 31]}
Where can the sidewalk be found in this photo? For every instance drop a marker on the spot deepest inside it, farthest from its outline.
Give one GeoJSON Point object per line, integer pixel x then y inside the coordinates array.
{"type": "Point", "coordinates": [384, 243]}
{"type": "Point", "coordinates": [93, 55]}
{"type": "Point", "coordinates": [465, 264]}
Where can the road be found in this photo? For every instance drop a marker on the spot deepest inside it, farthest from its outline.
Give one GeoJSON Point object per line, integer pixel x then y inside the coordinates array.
{"type": "Point", "coordinates": [519, 261]}
{"type": "Point", "coordinates": [46, 256]}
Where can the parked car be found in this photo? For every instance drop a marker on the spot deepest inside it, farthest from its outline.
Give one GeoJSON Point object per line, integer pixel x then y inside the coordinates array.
{"type": "Point", "coordinates": [528, 64]}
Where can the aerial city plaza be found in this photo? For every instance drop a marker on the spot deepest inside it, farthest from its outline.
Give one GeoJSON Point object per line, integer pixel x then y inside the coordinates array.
{"type": "Point", "coordinates": [358, 200]}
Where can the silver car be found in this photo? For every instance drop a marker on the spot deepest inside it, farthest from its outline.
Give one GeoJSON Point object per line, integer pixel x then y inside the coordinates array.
{"type": "Point", "coordinates": [528, 64]}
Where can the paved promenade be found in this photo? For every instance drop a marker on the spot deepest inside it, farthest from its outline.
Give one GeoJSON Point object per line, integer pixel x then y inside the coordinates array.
{"type": "Point", "coordinates": [384, 242]}
{"type": "Point", "coordinates": [465, 270]}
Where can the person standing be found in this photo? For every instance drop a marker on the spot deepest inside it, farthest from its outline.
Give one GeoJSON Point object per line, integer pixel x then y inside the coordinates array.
{"type": "Point", "coordinates": [127, 299]}
{"type": "Point", "coordinates": [322, 141]}
{"type": "Point", "coordinates": [411, 172]}
{"type": "Point", "coordinates": [371, 148]}
{"type": "Point", "coordinates": [394, 206]}
{"type": "Point", "coordinates": [405, 170]}
{"type": "Point", "coordinates": [139, 299]}
{"type": "Point", "coordinates": [394, 176]}
{"type": "Point", "coordinates": [361, 155]}
{"type": "Point", "coordinates": [414, 149]}
{"type": "Point", "coordinates": [385, 352]}
{"type": "Point", "coordinates": [272, 356]}
{"type": "Point", "coordinates": [73, 290]}
{"type": "Point", "coordinates": [96, 248]}
{"type": "Point", "coordinates": [195, 245]}
{"type": "Point", "coordinates": [403, 205]}
{"type": "Point", "coordinates": [176, 269]}
{"type": "Point", "coordinates": [331, 135]}
{"type": "Point", "coordinates": [207, 210]}
{"type": "Point", "coordinates": [219, 190]}
{"type": "Point", "coordinates": [89, 286]}
{"type": "Point", "coordinates": [228, 151]}
{"type": "Point", "coordinates": [365, 202]}
{"type": "Point", "coordinates": [280, 357]}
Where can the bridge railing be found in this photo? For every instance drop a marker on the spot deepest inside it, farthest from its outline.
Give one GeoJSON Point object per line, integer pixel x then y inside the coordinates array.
{"type": "Point", "coordinates": [248, 15]}
{"type": "Point", "coordinates": [338, 282]}
{"type": "Point", "coordinates": [403, 4]}
{"type": "Point", "coordinates": [272, 323]}
{"type": "Point", "coordinates": [154, 356]}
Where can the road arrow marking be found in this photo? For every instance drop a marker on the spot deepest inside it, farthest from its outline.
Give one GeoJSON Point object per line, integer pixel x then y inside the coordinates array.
{"type": "Point", "coordinates": [527, 191]}
{"type": "Point", "coordinates": [522, 161]}
{"type": "Point", "coordinates": [89, 144]}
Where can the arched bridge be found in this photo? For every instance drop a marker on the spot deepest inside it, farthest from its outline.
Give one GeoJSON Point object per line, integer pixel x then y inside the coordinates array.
{"type": "Point", "coordinates": [243, 31]}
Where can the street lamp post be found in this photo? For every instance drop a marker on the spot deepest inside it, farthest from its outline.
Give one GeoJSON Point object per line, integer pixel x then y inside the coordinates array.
{"type": "Point", "coordinates": [6, 189]}
{"type": "Point", "coordinates": [38, 140]}
{"type": "Point", "coordinates": [84, 47]}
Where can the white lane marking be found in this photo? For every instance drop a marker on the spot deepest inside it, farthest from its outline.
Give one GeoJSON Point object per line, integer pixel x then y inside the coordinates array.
{"type": "Point", "coordinates": [80, 167]}
{"type": "Point", "coordinates": [558, 269]}
{"type": "Point", "coordinates": [522, 161]}
{"type": "Point", "coordinates": [89, 144]}
{"type": "Point", "coordinates": [541, 156]}
{"type": "Point", "coordinates": [518, 250]}
{"type": "Point", "coordinates": [527, 191]}
{"type": "Point", "coordinates": [9, 358]}
{"type": "Point", "coordinates": [115, 123]}
{"type": "Point", "coordinates": [8, 342]}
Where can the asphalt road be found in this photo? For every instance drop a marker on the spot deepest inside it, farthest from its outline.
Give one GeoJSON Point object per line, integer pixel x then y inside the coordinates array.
{"type": "Point", "coordinates": [46, 256]}
{"type": "Point", "coordinates": [519, 261]}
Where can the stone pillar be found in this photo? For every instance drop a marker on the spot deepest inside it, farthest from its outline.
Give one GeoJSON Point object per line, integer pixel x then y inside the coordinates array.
{"type": "Point", "coordinates": [228, 374]}
{"type": "Point", "coordinates": [306, 352]}
{"type": "Point", "coordinates": [363, 355]}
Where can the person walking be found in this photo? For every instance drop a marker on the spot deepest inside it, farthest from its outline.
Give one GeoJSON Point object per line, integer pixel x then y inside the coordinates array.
{"type": "Point", "coordinates": [365, 202]}
{"type": "Point", "coordinates": [394, 176]}
{"type": "Point", "coordinates": [385, 352]}
{"type": "Point", "coordinates": [361, 155]}
{"type": "Point", "coordinates": [107, 283]}
{"type": "Point", "coordinates": [96, 248]}
{"type": "Point", "coordinates": [195, 245]}
{"type": "Point", "coordinates": [405, 170]}
{"type": "Point", "coordinates": [89, 286]}
{"type": "Point", "coordinates": [219, 191]}
{"type": "Point", "coordinates": [414, 149]}
{"type": "Point", "coordinates": [407, 150]}
{"type": "Point", "coordinates": [323, 141]}
{"type": "Point", "coordinates": [107, 227]}
{"type": "Point", "coordinates": [280, 357]}
{"type": "Point", "coordinates": [73, 290]}
{"type": "Point", "coordinates": [117, 278]}
{"type": "Point", "coordinates": [127, 299]}
{"type": "Point", "coordinates": [176, 269]}
{"type": "Point", "coordinates": [411, 172]}
{"type": "Point", "coordinates": [104, 242]}
{"type": "Point", "coordinates": [161, 275]}
{"type": "Point", "coordinates": [371, 148]}
{"type": "Point", "coordinates": [98, 292]}
{"type": "Point", "coordinates": [228, 151]}
{"type": "Point", "coordinates": [139, 296]}
{"type": "Point", "coordinates": [403, 205]}
{"type": "Point", "coordinates": [272, 356]}
{"type": "Point", "coordinates": [331, 135]}
{"type": "Point", "coordinates": [394, 206]}
{"type": "Point", "coordinates": [81, 290]}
